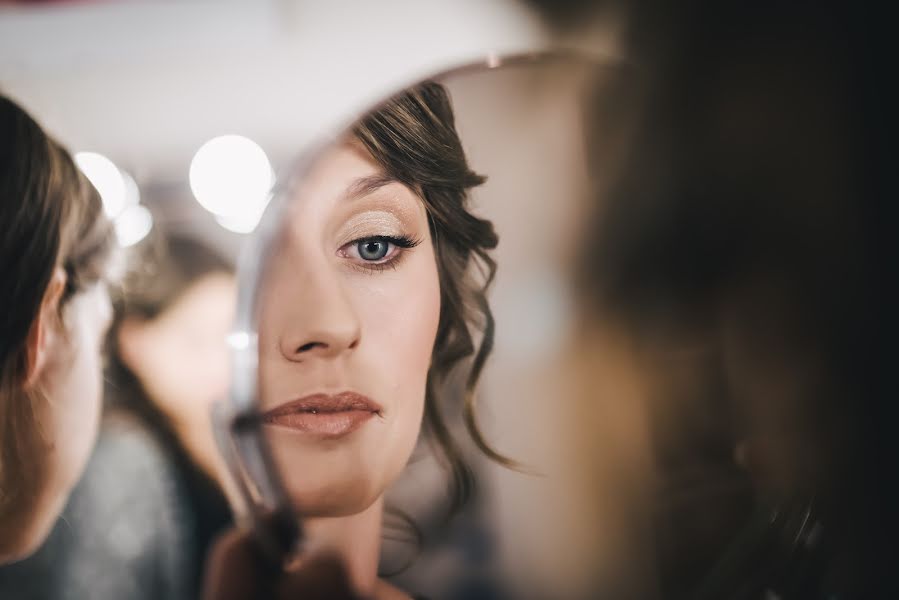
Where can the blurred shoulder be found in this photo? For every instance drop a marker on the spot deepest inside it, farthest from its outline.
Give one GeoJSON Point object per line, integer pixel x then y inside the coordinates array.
{"type": "Point", "coordinates": [129, 461]}
{"type": "Point", "coordinates": [125, 532]}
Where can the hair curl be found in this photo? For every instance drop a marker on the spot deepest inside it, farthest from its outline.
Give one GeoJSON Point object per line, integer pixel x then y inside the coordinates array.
{"type": "Point", "coordinates": [413, 138]}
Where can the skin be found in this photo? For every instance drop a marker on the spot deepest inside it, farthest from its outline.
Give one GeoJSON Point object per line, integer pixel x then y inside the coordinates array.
{"type": "Point", "coordinates": [64, 373]}
{"type": "Point", "coordinates": [182, 363]}
{"type": "Point", "coordinates": [331, 322]}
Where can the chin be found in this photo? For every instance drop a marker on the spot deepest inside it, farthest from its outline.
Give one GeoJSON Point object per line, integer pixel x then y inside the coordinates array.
{"type": "Point", "coordinates": [31, 524]}
{"type": "Point", "coordinates": [335, 498]}
{"type": "Point", "coordinates": [340, 477]}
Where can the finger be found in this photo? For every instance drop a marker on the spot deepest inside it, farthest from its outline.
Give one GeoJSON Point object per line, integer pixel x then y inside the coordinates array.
{"type": "Point", "coordinates": [235, 570]}
{"type": "Point", "coordinates": [318, 577]}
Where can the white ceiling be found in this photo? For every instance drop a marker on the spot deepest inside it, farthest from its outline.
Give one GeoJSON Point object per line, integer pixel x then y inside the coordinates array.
{"type": "Point", "coordinates": [147, 83]}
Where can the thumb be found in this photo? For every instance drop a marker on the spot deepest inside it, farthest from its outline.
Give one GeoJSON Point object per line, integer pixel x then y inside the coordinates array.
{"type": "Point", "coordinates": [237, 570]}
{"type": "Point", "coordinates": [322, 576]}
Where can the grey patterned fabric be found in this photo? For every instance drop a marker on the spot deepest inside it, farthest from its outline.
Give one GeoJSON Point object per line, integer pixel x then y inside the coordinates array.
{"type": "Point", "coordinates": [126, 532]}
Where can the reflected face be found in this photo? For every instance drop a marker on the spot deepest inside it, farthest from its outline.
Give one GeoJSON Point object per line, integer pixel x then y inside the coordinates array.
{"type": "Point", "coordinates": [350, 305]}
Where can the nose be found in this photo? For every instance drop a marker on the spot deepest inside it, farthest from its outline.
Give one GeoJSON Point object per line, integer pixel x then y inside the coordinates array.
{"type": "Point", "coordinates": [323, 323]}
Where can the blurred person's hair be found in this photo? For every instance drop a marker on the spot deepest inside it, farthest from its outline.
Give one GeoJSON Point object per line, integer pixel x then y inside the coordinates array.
{"type": "Point", "coordinates": [165, 266]}
{"type": "Point", "coordinates": [50, 217]}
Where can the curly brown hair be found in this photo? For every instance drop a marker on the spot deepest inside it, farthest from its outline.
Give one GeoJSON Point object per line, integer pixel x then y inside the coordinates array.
{"type": "Point", "coordinates": [414, 139]}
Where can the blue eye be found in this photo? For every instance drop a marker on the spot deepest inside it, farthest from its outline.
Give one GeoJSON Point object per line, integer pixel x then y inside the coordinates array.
{"type": "Point", "coordinates": [372, 250]}
{"type": "Point", "coordinates": [378, 252]}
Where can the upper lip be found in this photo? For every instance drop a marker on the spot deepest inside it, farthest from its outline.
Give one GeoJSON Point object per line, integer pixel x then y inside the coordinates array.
{"type": "Point", "coordinates": [324, 402]}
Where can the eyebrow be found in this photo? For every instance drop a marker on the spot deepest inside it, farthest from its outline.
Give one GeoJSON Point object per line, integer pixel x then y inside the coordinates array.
{"type": "Point", "coordinates": [368, 185]}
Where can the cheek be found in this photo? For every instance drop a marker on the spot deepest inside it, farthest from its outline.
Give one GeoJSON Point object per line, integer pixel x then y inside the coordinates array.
{"type": "Point", "coordinates": [74, 391]}
{"type": "Point", "coordinates": [186, 368]}
{"type": "Point", "coordinates": [401, 322]}
{"type": "Point", "coordinates": [86, 388]}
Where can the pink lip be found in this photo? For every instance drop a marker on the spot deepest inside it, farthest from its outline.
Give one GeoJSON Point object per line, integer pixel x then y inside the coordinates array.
{"type": "Point", "coordinates": [325, 415]}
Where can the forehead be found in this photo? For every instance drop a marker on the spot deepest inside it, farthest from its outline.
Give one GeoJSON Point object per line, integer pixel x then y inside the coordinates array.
{"type": "Point", "coordinates": [335, 172]}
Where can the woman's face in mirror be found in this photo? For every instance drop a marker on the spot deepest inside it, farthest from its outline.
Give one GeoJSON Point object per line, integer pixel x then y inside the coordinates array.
{"type": "Point", "coordinates": [350, 306]}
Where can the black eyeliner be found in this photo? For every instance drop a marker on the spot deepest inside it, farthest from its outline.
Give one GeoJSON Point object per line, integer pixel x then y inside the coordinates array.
{"type": "Point", "coordinates": [402, 241]}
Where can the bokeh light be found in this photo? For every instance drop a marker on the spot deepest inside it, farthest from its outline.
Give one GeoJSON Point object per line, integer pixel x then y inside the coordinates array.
{"type": "Point", "coordinates": [231, 177]}
{"type": "Point", "coordinates": [244, 222]}
{"type": "Point", "coordinates": [133, 225]}
{"type": "Point", "coordinates": [107, 178]}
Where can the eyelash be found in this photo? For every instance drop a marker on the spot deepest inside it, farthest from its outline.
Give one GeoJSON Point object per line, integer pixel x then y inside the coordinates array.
{"type": "Point", "coordinates": [401, 243]}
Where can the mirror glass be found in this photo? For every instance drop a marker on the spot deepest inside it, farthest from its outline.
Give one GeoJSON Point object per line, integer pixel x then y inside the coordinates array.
{"type": "Point", "coordinates": [517, 348]}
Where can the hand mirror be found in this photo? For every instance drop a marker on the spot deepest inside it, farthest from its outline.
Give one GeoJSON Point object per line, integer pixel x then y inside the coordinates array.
{"type": "Point", "coordinates": [416, 279]}
{"type": "Point", "coordinates": [401, 262]}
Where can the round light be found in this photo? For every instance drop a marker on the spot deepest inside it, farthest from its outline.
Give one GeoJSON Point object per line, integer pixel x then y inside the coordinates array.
{"type": "Point", "coordinates": [132, 192]}
{"type": "Point", "coordinates": [106, 177]}
{"type": "Point", "coordinates": [231, 176]}
{"type": "Point", "coordinates": [246, 221]}
{"type": "Point", "coordinates": [133, 225]}
{"type": "Point", "coordinates": [239, 224]}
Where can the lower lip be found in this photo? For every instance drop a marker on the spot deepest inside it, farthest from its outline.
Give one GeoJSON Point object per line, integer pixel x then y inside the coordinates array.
{"type": "Point", "coordinates": [324, 424]}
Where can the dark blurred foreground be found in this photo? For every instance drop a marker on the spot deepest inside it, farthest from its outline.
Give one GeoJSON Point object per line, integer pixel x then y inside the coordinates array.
{"type": "Point", "coordinates": [746, 243]}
